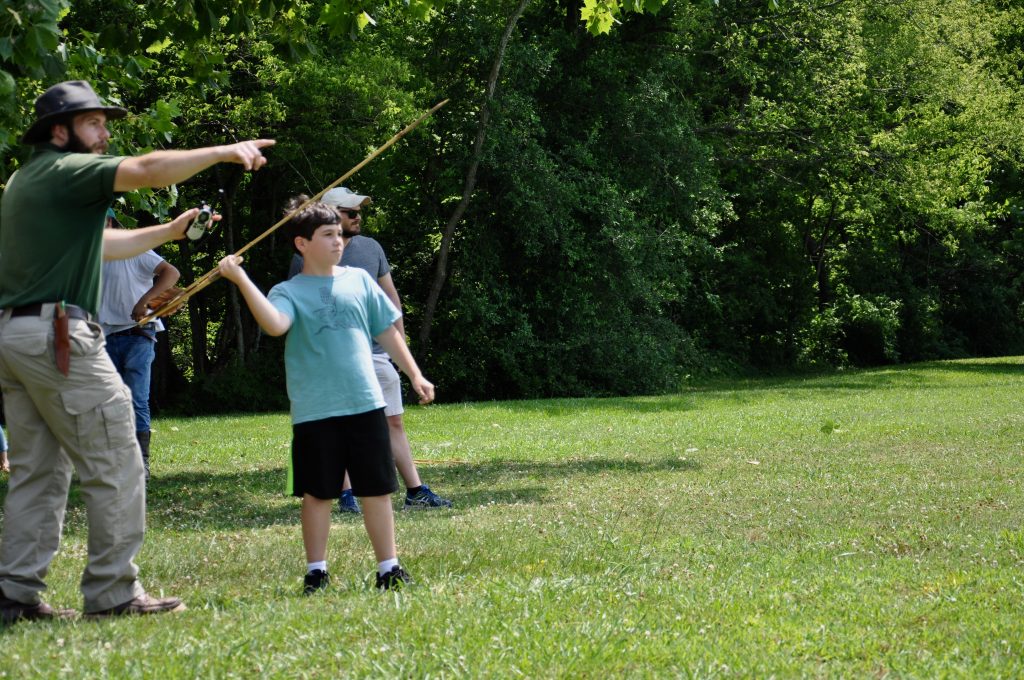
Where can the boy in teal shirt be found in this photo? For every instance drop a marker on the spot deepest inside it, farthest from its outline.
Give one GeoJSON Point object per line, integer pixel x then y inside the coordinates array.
{"type": "Point", "coordinates": [331, 315]}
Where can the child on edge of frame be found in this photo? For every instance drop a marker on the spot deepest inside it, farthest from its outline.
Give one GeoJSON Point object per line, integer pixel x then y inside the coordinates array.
{"type": "Point", "coordinates": [330, 314]}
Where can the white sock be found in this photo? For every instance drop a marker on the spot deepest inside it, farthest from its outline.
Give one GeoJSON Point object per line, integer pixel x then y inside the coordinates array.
{"type": "Point", "coordinates": [312, 566]}
{"type": "Point", "coordinates": [387, 565]}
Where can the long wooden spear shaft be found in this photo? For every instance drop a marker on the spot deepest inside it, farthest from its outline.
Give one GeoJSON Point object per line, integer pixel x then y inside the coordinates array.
{"type": "Point", "coordinates": [212, 275]}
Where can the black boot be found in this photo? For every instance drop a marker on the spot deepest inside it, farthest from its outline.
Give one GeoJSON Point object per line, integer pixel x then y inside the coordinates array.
{"type": "Point", "coordinates": [143, 438]}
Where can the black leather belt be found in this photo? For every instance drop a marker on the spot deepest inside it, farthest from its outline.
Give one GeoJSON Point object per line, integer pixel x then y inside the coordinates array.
{"type": "Point", "coordinates": [134, 330]}
{"type": "Point", "coordinates": [73, 311]}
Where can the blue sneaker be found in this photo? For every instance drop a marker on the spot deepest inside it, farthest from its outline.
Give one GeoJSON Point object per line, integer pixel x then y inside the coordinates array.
{"type": "Point", "coordinates": [348, 503]}
{"type": "Point", "coordinates": [425, 498]}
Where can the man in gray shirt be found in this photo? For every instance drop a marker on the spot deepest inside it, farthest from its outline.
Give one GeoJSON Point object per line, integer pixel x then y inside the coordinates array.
{"type": "Point", "coordinates": [365, 253]}
{"type": "Point", "coordinates": [128, 287]}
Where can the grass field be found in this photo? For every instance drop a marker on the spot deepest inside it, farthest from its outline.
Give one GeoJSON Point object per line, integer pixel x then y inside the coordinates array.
{"type": "Point", "coordinates": [862, 524]}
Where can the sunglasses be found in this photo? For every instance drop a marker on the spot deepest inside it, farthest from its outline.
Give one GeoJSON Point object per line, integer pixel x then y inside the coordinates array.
{"type": "Point", "coordinates": [348, 212]}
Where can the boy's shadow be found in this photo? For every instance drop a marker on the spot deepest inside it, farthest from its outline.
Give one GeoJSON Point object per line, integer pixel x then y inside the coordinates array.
{"type": "Point", "coordinates": [256, 498]}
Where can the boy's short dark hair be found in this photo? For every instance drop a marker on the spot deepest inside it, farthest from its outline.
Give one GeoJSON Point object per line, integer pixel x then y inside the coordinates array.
{"type": "Point", "coordinates": [309, 219]}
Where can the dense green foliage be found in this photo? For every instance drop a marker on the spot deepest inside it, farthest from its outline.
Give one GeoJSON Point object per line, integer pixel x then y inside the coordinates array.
{"type": "Point", "coordinates": [719, 185]}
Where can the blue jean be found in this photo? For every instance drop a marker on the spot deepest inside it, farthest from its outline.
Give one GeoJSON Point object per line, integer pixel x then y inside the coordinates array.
{"type": "Point", "coordinates": [133, 357]}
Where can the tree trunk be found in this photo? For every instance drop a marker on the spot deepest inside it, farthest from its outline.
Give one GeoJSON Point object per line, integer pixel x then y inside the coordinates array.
{"type": "Point", "coordinates": [196, 315]}
{"type": "Point", "coordinates": [234, 310]}
{"type": "Point", "coordinates": [168, 379]}
{"type": "Point", "coordinates": [441, 269]}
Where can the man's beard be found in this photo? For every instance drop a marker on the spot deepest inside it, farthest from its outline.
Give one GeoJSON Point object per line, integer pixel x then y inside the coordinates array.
{"type": "Point", "coordinates": [349, 233]}
{"type": "Point", "coordinates": [76, 145]}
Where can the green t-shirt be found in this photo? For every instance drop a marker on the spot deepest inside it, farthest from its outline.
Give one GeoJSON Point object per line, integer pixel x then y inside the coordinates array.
{"type": "Point", "coordinates": [51, 228]}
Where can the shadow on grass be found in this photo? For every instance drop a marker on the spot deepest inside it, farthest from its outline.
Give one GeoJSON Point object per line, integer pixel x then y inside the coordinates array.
{"type": "Point", "coordinates": [236, 500]}
{"type": "Point", "coordinates": [493, 471]}
{"type": "Point", "coordinates": [740, 389]}
{"type": "Point", "coordinates": [570, 408]}
{"type": "Point", "coordinates": [912, 376]}
{"type": "Point", "coordinates": [1000, 367]}
{"type": "Point", "coordinates": [202, 501]}
{"type": "Point", "coordinates": [501, 482]}
{"type": "Point", "coordinates": [254, 499]}
{"type": "Point", "coordinates": [806, 385]}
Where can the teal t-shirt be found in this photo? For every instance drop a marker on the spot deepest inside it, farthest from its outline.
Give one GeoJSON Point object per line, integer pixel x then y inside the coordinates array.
{"type": "Point", "coordinates": [327, 354]}
{"type": "Point", "coordinates": [52, 215]}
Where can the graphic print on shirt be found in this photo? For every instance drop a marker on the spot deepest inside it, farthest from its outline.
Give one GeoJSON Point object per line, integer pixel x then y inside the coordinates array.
{"type": "Point", "coordinates": [330, 316]}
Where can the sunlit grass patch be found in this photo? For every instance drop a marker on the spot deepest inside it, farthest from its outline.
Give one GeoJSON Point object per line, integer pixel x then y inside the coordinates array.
{"type": "Point", "coordinates": [864, 523]}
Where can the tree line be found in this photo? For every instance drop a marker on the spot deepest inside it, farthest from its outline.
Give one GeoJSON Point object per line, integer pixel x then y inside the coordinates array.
{"type": "Point", "coordinates": [707, 186]}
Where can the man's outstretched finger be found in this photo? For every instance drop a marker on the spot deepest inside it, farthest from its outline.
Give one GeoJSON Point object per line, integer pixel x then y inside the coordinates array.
{"type": "Point", "coordinates": [248, 153]}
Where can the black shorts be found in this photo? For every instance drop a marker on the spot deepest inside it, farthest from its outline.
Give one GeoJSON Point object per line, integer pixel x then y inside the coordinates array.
{"type": "Point", "coordinates": [323, 449]}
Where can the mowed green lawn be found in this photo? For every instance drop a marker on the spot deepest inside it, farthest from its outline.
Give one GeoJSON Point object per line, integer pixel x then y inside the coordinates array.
{"type": "Point", "coordinates": [867, 523]}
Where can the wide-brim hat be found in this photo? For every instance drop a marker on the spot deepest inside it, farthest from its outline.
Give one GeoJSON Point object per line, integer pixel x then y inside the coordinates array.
{"type": "Point", "coordinates": [72, 96]}
{"type": "Point", "coordinates": [343, 197]}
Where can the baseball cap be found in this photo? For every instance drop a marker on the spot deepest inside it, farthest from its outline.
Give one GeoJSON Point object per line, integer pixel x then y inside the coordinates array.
{"type": "Point", "coordinates": [342, 197]}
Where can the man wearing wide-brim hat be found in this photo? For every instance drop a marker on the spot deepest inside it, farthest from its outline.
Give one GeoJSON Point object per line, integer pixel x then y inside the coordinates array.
{"type": "Point", "coordinates": [67, 408]}
{"type": "Point", "coordinates": [63, 102]}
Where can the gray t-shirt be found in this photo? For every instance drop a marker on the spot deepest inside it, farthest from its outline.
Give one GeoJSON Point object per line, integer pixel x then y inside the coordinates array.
{"type": "Point", "coordinates": [124, 282]}
{"type": "Point", "coordinates": [362, 252]}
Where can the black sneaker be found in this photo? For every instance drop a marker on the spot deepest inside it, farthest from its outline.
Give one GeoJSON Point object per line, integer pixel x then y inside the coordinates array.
{"type": "Point", "coordinates": [347, 503]}
{"type": "Point", "coordinates": [396, 578]}
{"type": "Point", "coordinates": [425, 498]}
{"type": "Point", "coordinates": [315, 581]}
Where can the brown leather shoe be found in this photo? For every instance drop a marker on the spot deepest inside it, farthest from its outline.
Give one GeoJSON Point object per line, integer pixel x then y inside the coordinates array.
{"type": "Point", "coordinates": [12, 611]}
{"type": "Point", "coordinates": [143, 604]}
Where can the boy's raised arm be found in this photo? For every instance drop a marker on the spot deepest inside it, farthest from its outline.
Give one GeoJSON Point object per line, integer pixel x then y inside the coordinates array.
{"type": "Point", "coordinates": [267, 316]}
{"type": "Point", "coordinates": [396, 348]}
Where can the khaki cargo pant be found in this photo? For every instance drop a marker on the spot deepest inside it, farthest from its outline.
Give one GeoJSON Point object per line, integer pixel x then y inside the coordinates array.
{"type": "Point", "coordinates": [55, 422]}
